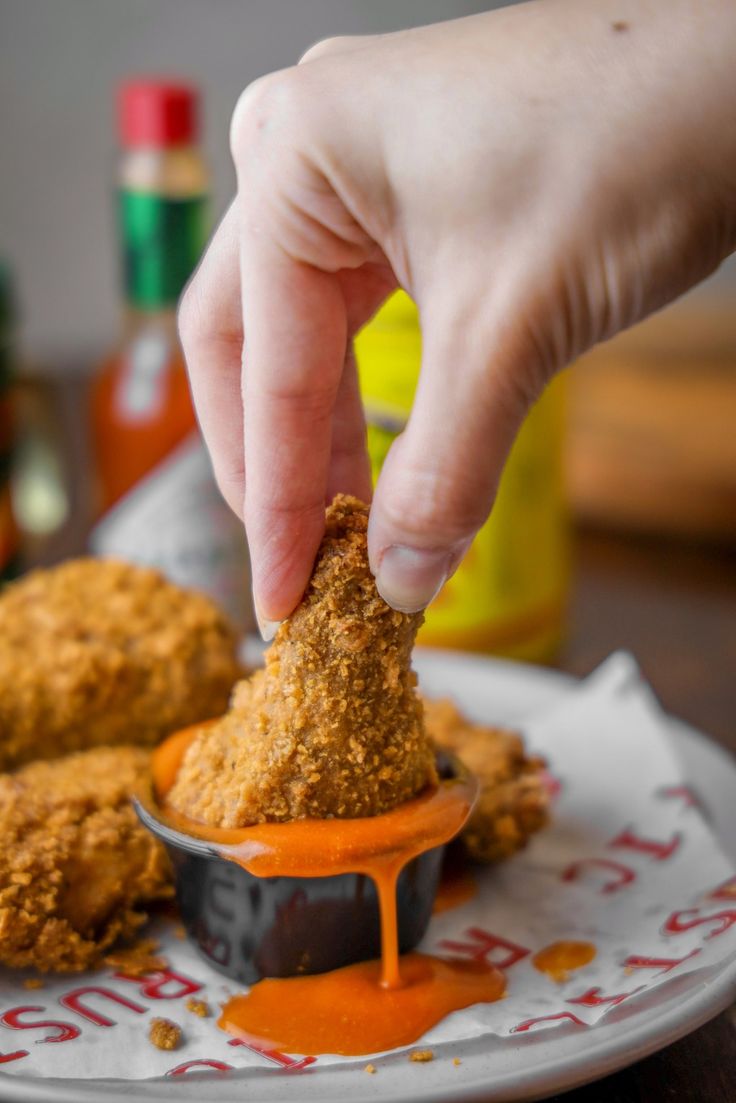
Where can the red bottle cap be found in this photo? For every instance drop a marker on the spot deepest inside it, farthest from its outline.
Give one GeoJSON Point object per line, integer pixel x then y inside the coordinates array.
{"type": "Point", "coordinates": [158, 113]}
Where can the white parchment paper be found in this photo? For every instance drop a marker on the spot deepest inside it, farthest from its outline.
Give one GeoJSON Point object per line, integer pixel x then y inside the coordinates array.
{"type": "Point", "coordinates": [628, 864]}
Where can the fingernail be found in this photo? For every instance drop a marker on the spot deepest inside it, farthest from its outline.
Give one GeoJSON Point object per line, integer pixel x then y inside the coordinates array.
{"type": "Point", "coordinates": [267, 628]}
{"type": "Point", "coordinates": [409, 578]}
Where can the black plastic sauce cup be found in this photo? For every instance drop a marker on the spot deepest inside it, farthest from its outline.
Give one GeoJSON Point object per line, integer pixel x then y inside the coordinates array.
{"type": "Point", "coordinates": [251, 927]}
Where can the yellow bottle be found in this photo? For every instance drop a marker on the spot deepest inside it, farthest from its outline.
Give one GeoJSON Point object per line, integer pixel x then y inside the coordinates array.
{"type": "Point", "coordinates": [509, 595]}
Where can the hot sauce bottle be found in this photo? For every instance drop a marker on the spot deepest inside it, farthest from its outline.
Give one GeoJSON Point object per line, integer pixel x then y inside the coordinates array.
{"type": "Point", "coordinates": [157, 500]}
{"type": "Point", "coordinates": [509, 595]}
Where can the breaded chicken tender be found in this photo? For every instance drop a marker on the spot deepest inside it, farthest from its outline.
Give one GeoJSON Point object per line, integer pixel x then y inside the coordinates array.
{"type": "Point", "coordinates": [100, 652]}
{"type": "Point", "coordinates": [333, 726]}
{"type": "Point", "coordinates": [513, 801]}
{"type": "Point", "coordinates": [75, 863]}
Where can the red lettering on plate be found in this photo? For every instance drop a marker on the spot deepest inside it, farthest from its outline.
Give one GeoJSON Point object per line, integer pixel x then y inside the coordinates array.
{"type": "Point", "coordinates": [15, 1056]}
{"type": "Point", "coordinates": [593, 998]}
{"type": "Point", "coordinates": [65, 1031]}
{"type": "Point", "coordinates": [202, 1063]}
{"type": "Point", "coordinates": [661, 964]}
{"type": "Point", "coordinates": [676, 923]}
{"type": "Point", "coordinates": [561, 1015]}
{"type": "Point", "coordinates": [680, 792]}
{"type": "Point", "coordinates": [155, 986]}
{"type": "Point", "coordinates": [481, 946]}
{"type": "Point", "coordinates": [274, 1055]}
{"type": "Point", "coordinates": [73, 999]}
{"type": "Point", "coordinates": [659, 851]}
{"type": "Point", "coordinates": [622, 875]}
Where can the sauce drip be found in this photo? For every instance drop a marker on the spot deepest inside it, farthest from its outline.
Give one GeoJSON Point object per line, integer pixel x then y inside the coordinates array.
{"type": "Point", "coordinates": [348, 1012]}
{"type": "Point", "coordinates": [361, 1008]}
{"type": "Point", "coordinates": [559, 958]}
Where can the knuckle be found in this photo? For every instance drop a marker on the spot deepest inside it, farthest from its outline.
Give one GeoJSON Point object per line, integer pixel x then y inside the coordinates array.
{"type": "Point", "coordinates": [433, 508]}
{"type": "Point", "coordinates": [518, 387]}
{"type": "Point", "coordinates": [326, 46]}
{"type": "Point", "coordinates": [273, 100]}
{"type": "Point", "coordinates": [301, 398]}
{"type": "Point", "coordinates": [313, 405]}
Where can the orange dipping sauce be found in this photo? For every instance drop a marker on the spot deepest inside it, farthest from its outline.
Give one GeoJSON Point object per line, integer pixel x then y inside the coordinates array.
{"type": "Point", "coordinates": [370, 1006]}
{"type": "Point", "coordinates": [559, 959]}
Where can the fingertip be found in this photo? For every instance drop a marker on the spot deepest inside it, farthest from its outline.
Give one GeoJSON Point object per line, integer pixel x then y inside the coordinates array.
{"type": "Point", "coordinates": [408, 579]}
{"type": "Point", "coordinates": [283, 550]}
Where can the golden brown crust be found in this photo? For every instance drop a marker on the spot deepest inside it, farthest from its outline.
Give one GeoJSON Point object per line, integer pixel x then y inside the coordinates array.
{"type": "Point", "coordinates": [75, 863]}
{"type": "Point", "coordinates": [333, 725]}
{"type": "Point", "coordinates": [513, 801]}
{"type": "Point", "coordinates": [100, 652]}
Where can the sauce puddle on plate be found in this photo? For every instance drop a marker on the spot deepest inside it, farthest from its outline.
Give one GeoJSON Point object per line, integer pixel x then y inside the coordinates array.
{"type": "Point", "coordinates": [349, 1011]}
{"type": "Point", "coordinates": [372, 1005]}
{"type": "Point", "coordinates": [560, 958]}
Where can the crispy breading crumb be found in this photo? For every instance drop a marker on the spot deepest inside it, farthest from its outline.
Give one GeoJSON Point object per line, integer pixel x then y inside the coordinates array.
{"type": "Point", "coordinates": [456, 1061]}
{"type": "Point", "coordinates": [333, 726]}
{"type": "Point", "coordinates": [164, 1034]}
{"type": "Point", "coordinates": [76, 865]}
{"type": "Point", "coordinates": [370, 1068]}
{"type": "Point", "coordinates": [198, 1007]}
{"type": "Point", "coordinates": [33, 982]}
{"type": "Point", "coordinates": [138, 959]}
{"type": "Point", "coordinates": [180, 931]}
{"type": "Point", "coordinates": [513, 801]}
{"type": "Point", "coordinates": [99, 652]}
{"type": "Point", "coordinates": [421, 1055]}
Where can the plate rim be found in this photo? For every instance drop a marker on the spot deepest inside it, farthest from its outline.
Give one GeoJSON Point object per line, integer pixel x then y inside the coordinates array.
{"type": "Point", "coordinates": [563, 1071]}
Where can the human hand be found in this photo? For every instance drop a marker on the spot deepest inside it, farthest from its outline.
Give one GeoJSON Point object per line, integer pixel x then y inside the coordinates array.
{"type": "Point", "coordinates": [537, 178]}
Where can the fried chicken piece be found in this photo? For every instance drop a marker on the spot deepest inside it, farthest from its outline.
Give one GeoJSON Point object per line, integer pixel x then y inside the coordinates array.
{"type": "Point", "coordinates": [100, 652]}
{"type": "Point", "coordinates": [513, 801]}
{"type": "Point", "coordinates": [137, 959]}
{"type": "Point", "coordinates": [333, 726]}
{"type": "Point", "coordinates": [75, 863]}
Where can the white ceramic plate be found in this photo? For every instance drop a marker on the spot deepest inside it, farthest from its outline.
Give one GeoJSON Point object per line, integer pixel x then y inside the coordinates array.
{"type": "Point", "coordinates": [492, 1070]}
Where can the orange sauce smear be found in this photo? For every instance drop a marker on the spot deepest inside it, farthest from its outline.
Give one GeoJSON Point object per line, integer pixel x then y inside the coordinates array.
{"type": "Point", "coordinates": [370, 1006]}
{"type": "Point", "coordinates": [559, 959]}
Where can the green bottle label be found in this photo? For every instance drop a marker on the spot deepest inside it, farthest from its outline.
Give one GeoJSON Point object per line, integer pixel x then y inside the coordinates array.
{"type": "Point", "coordinates": [163, 239]}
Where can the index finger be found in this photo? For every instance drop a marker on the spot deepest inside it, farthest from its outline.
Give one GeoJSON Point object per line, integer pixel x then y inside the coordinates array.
{"type": "Point", "coordinates": [296, 338]}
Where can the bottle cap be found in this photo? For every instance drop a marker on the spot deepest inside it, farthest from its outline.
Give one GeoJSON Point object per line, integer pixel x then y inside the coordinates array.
{"type": "Point", "coordinates": [158, 113]}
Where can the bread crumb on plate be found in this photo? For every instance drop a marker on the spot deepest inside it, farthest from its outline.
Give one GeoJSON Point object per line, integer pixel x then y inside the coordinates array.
{"type": "Point", "coordinates": [421, 1055]}
{"type": "Point", "coordinates": [164, 1034]}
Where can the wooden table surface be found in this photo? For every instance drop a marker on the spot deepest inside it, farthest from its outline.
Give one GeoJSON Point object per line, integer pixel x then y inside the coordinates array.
{"type": "Point", "coordinates": [674, 607]}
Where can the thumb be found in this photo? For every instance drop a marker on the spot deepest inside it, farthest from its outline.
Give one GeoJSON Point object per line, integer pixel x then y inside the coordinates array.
{"type": "Point", "coordinates": [440, 477]}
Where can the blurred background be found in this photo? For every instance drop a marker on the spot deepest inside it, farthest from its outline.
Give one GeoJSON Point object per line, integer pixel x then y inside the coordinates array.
{"type": "Point", "coordinates": [616, 524]}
